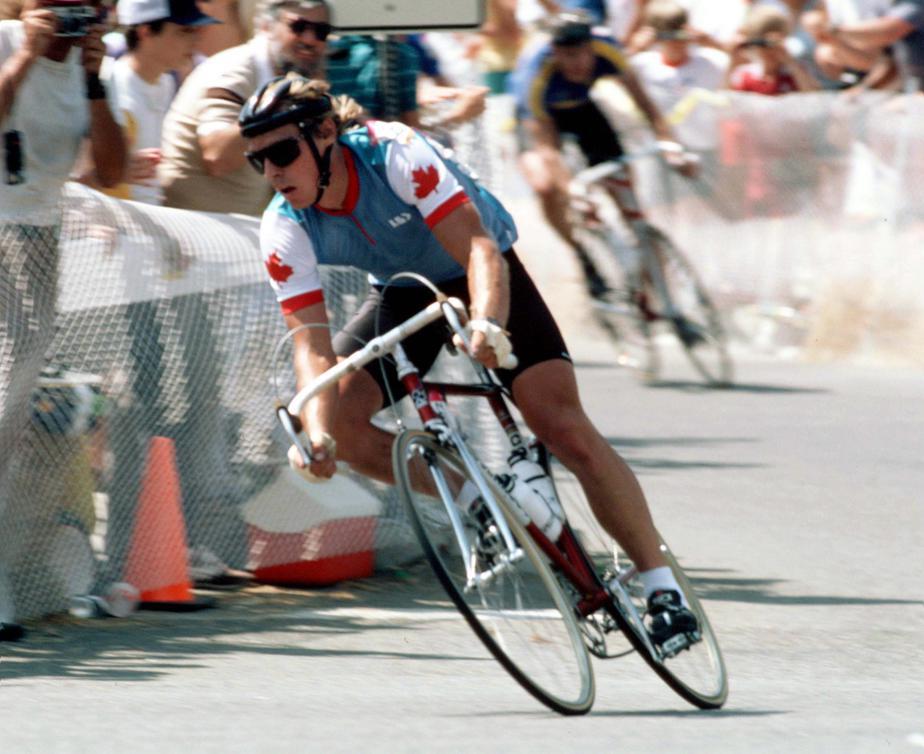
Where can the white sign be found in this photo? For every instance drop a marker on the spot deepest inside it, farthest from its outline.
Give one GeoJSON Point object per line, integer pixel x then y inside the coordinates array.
{"type": "Point", "coordinates": [369, 16]}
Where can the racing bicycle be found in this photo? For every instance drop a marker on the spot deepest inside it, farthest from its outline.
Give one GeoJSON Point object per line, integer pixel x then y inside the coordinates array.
{"type": "Point", "coordinates": [541, 607]}
{"type": "Point", "coordinates": [639, 282]}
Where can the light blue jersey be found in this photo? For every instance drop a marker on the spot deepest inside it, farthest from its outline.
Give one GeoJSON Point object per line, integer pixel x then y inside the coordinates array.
{"type": "Point", "coordinates": [400, 186]}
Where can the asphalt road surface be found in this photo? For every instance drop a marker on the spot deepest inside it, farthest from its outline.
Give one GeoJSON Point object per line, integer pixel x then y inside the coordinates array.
{"type": "Point", "coordinates": [795, 501]}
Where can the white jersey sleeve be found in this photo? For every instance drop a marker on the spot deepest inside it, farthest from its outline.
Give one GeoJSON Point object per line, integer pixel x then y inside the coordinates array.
{"type": "Point", "coordinates": [290, 262]}
{"type": "Point", "coordinates": [417, 173]}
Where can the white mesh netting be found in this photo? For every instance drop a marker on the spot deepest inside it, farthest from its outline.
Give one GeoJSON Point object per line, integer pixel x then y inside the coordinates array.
{"type": "Point", "coordinates": [165, 327]}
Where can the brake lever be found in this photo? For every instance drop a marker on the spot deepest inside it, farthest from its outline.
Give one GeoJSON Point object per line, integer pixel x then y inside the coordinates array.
{"type": "Point", "coordinates": [455, 324]}
{"type": "Point", "coordinates": [292, 425]}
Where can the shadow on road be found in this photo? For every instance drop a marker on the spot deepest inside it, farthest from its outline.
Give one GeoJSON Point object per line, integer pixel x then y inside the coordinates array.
{"type": "Point", "coordinates": [689, 713]}
{"type": "Point", "coordinates": [765, 591]}
{"type": "Point", "coordinates": [597, 712]}
{"type": "Point", "coordinates": [261, 620]}
{"type": "Point", "coordinates": [621, 444]}
{"type": "Point", "coordinates": [692, 386]}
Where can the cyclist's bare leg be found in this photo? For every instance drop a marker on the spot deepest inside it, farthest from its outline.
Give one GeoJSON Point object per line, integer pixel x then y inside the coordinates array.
{"type": "Point", "coordinates": [548, 177]}
{"type": "Point", "coordinates": [547, 396]}
{"type": "Point", "coordinates": [365, 447]}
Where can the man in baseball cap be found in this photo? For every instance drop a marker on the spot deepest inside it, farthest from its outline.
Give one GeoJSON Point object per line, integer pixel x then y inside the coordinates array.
{"type": "Point", "coordinates": [161, 37]}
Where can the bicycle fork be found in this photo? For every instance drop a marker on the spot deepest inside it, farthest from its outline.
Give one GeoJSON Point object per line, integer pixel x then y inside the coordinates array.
{"type": "Point", "coordinates": [431, 407]}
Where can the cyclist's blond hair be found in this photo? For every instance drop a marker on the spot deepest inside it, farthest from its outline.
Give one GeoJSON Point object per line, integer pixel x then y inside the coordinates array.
{"type": "Point", "coordinates": [346, 112]}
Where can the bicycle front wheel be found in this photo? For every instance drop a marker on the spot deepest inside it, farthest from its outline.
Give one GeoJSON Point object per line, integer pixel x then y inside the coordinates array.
{"type": "Point", "coordinates": [511, 600]}
{"type": "Point", "coordinates": [697, 673]}
{"type": "Point", "coordinates": [616, 306]}
{"type": "Point", "coordinates": [706, 343]}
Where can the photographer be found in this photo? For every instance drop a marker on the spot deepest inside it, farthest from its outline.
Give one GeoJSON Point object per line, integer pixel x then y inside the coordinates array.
{"type": "Point", "coordinates": [51, 98]}
{"type": "Point", "coordinates": [760, 62]}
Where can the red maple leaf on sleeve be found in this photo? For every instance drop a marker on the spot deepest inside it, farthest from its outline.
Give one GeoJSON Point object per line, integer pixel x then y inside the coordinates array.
{"type": "Point", "coordinates": [277, 270]}
{"type": "Point", "coordinates": [426, 179]}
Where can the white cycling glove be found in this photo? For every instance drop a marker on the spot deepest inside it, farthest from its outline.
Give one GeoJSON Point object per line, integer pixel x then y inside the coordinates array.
{"type": "Point", "coordinates": [295, 458]}
{"type": "Point", "coordinates": [497, 338]}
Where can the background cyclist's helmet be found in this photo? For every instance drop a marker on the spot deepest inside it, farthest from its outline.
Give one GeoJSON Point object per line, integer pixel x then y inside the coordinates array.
{"type": "Point", "coordinates": [273, 106]}
{"type": "Point", "coordinates": [570, 28]}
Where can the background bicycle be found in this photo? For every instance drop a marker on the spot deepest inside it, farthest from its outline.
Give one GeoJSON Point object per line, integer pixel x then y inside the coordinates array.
{"type": "Point", "coordinates": [508, 557]}
{"type": "Point", "coordinates": [642, 286]}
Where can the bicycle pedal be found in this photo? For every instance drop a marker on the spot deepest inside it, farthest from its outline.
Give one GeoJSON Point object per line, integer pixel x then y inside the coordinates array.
{"type": "Point", "coordinates": [678, 643]}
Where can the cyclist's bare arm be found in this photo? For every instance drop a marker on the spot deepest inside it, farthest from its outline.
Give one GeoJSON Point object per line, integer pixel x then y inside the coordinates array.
{"type": "Point", "coordinates": [313, 355]}
{"type": "Point", "coordinates": [662, 130]}
{"type": "Point", "coordinates": [218, 134]}
{"type": "Point", "coordinates": [644, 103]}
{"type": "Point", "coordinates": [464, 237]}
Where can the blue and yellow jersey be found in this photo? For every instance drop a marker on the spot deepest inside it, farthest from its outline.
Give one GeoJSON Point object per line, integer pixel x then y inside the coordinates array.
{"type": "Point", "coordinates": [540, 89]}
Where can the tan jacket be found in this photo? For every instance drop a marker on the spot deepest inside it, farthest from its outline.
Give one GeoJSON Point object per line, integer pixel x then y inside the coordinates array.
{"type": "Point", "coordinates": [212, 95]}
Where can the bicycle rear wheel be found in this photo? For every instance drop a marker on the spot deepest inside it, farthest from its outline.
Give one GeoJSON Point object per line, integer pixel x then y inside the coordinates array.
{"type": "Point", "coordinates": [519, 612]}
{"type": "Point", "coordinates": [709, 352]}
{"type": "Point", "coordinates": [697, 673]}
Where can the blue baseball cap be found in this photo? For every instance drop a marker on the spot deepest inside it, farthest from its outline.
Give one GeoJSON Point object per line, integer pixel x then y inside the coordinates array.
{"type": "Point", "coordinates": [182, 12]}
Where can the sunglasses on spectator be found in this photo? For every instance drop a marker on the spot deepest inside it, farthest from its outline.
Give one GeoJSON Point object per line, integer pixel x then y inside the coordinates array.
{"type": "Point", "coordinates": [281, 153]}
{"type": "Point", "coordinates": [320, 29]}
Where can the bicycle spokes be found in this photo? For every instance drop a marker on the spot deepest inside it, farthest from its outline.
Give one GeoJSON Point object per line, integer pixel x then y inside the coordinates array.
{"type": "Point", "coordinates": [503, 587]}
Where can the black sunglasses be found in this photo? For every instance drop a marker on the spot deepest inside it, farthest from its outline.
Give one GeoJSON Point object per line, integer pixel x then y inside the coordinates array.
{"type": "Point", "coordinates": [320, 29]}
{"type": "Point", "coordinates": [281, 153]}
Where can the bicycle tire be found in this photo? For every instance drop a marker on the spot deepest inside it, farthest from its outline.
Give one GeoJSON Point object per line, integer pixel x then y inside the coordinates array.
{"type": "Point", "coordinates": [521, 615]}
{"type": "Point", "coordinates": [698, 674]}
{"type": "Point", "coordinates": [709, 356]}
{"type": "Point", "coordinates": [616, 310]}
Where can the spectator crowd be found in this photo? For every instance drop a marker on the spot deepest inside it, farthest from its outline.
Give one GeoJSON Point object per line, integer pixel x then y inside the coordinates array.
{"type": "Point", "coordinates": [141, 101]}
{"type": "Point", "coordinates": [177, 71]}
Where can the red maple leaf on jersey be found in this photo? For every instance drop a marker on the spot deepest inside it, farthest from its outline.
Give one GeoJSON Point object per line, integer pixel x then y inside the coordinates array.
{"type": "Point", "coordinates": [277, 270]}
{"type": "Point", "coordinates": [426, 179]}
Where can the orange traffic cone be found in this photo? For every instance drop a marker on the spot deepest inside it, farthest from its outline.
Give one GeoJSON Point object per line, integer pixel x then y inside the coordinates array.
{"type": "Point", "coordinates": [157, 564]}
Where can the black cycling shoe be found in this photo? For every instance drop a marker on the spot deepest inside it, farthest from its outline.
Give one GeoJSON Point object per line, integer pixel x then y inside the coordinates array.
{"type": "Point", "coordinates": [689, 334]}
{"type": "Point", "coordinates": [11, 632]}
{"type": "Point", "coordinates": [672, 626]}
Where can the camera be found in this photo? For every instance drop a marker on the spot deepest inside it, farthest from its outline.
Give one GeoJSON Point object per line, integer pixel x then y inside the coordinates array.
{"type": "Point", "coordinates": [74, 20]}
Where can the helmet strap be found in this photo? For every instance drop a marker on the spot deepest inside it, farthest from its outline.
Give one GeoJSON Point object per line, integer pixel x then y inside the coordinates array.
{"type": "Point", "coordinates": [323, 163]}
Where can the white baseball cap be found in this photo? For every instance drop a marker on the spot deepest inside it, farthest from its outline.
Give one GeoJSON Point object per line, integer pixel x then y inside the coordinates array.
{"type": "Point", "coordinates": [182, 12]}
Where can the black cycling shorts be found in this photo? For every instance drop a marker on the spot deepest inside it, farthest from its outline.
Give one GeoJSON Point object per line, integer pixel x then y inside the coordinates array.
{"type": "Point", "coordinates": [533, 332]}
{"type": "Point", "coordinates": [595, 136]}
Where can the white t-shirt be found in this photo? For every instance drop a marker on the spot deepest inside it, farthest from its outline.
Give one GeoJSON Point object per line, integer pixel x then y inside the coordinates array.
{"type": "Point", "coordinates": [140, 108]}
{"type": "Point", "coordinates": [673, 89]}
{"type": "Point", "coordinates": [843, 12]}
{"type": "Point", "coordinates": [722, 19]}
{"type": "Point", "coordinates": [51, 115]}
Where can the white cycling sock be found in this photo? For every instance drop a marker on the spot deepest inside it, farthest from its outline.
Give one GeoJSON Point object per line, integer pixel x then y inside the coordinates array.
{"type": "Point", "coordinates": [661, 578]}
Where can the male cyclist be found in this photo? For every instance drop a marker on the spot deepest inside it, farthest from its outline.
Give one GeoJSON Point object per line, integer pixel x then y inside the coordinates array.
{"type": "Point", "coordinates": [384, 199]}
{"type": "Point", "coordinates": [552, 84]}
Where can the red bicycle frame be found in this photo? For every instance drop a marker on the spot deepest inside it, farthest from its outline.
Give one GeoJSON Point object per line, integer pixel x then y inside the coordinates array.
{"type": "Point", "coordinates": [566, 554]}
